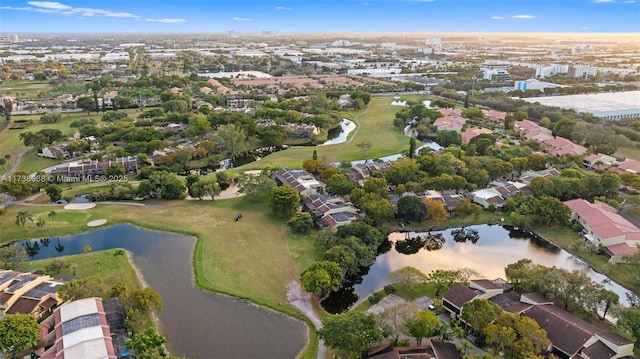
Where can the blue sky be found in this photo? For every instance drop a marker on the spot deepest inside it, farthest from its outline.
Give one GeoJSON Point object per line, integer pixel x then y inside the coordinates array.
{"type": "Point", "coordinates": [201, 16]}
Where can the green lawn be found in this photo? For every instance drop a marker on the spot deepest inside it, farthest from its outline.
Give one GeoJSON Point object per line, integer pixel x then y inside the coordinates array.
{"type": "Point", "coordinates": [24, 88]}
{"type": "Point", "coordinates": [630, 152]}
{"type": "Point", "coordinates": [111, 269]}
{"type": "Point", "coordinates": [376, 127]}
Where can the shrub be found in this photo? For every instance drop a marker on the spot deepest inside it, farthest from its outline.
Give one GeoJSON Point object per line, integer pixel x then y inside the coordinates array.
{"type": "Point", "coordinates": [376, 297]}
{"type": "Point", "coordinates": [390, 288]}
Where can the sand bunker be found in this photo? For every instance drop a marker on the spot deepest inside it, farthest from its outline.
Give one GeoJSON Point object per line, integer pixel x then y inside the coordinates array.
{"type": "Point", "coordinates": [79, 206]}
{"type": "Point", "coordinates": [97, 222]}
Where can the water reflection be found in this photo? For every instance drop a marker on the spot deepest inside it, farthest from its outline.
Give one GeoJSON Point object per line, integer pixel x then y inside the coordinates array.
{"type": "Point", "coordinates": [494, 248]}
{"type": "Point", "coordinates": [340, 133]}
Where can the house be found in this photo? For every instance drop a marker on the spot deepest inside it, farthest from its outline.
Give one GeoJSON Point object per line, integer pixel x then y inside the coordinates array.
{"type": "Point", "coordinates": [108, 97]}
{"type": "Point", "coordinates": [446, 112]}
{"type": "Point", "coordinates": [79, 169]}
{"type": "Point", "coordinates": [55, 152]}
{"type": "Point", "coordinates": [561, 146]}
{"type": "Point", "coordinates": [430, 348]}
{"type": "Point", "coordinates": [569, 336]}
{"type": "Point", "coordinates": [449, 123]}
{"type": "Point", "coordinates": [27, 293]}
{"type": "Point", "coordinates": [599, 161]}
{"type": "Point", "coordinates": [528, 176]}
{"type": "Point", "coordinates": [90, 328]}
{"type": "Point", "coordinates": [601, 225]}
{"type": "Point", "coordinates": [473, 132]}
{"type": "Point", "coordinates": [495, 116]}
{"type": "Point", "coordinates": [335, 220]}
{"type": "Point", "coordinates": [628, 166]}
{"type": "Point", "coordinates": [302, 129]}
{"type": "Point", "coordinates": [526, 126]}
{"type": "Point", "coordinates": [359, 173]}
{"type": "Point", "coordinates": [301, 180]}
{"type": "Point", "coordinates": [206, 90]}
{"type": "Point", "coordinates": [319, 205]}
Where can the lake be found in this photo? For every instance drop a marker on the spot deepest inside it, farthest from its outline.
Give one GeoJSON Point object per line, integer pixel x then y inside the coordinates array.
{"type": "Point", "coordinates": [340, 133]}
{"type": "Point", "coordinates": [197, 323]}
{"type": "Point", "coordinates": [497, 247]}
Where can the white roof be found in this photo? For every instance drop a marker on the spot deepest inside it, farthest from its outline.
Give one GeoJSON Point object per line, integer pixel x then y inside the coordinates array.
{"type": "Point", "coordinates": [486, 193]}
{"type": "Point", "coordinates": [593, 103]}
{"type": "Point", "coordinates": [84, 335]}
{"type": "Point", "coordinates": [90, 349]}
{"type": "Point", "coordinates": [78, 308]}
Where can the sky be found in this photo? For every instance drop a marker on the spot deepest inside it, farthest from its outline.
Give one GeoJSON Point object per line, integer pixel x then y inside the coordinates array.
{"type": "Point", "coordinates": [207, 16]}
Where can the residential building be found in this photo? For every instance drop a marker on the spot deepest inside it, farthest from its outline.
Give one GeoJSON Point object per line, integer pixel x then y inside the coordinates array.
{"type": "Point", "coordinates": [525, 126]}
{"type": "Point", "coordinates": [495, 116]}
{"type": "Point", "coordinates": [446, 111]}
{"type": "Point", "coordinates": [473, 132]}
{"type": "Point", "coordinates": [569, 336]}
{"type": "Point", "coordinates": [449, 123]}
{"type": "Point", "coordinates": [90, 328]}
{"type": "Point", "coordinates": [496, 75]}
{"type": "Point", "coordinates": [55, 152]}
{"type": "Point", "coordinates": [79, 169]}
{"type": "Point", "coordinates": [27, 293]}
{"type": "Point", "coordinates": [498, 194]}
{"type": "Point", "coordinates": [358, 174]}
{"type": "Point", "coordinates": [597, 161]}
{"type": "Point", "coordinates": [603, 226]}
{"type": "Point", "coordinates": [628, 166]}
{"type": "Point", "coordinates": [301, 180]}
{"type": "Point", "coordinates": [528, 176]}
{"type": "Point", "coordinates": [558, 146]}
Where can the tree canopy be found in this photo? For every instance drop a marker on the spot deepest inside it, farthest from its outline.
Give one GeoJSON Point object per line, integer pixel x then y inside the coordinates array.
{"type": "Point", "coordinates": [350, 332]}
{"type": "Point", "coordinates": [18, 332]}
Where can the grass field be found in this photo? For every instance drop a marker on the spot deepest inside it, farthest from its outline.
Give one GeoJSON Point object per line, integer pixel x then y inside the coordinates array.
{"type": "Point", "coordinates": [376, 126]}
{"type": "Point", "coordinates": [10, 142]}
{"type": "Point", "coordinates": [254, 258]}
{"type": "Point", "coordinates": [24, 89]}
{"type": "Point", "coordinates": [628, 152]}
{"type": "Point", "coordinates": [111, 269]}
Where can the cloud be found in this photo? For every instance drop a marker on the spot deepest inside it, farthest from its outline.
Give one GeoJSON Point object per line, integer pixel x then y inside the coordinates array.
{"type": "Point", "coordinates": [282, 8]}
{"type": "Point", "coordinates": [54, 7]}
{"type": "Point", "coordinates": [523, 17]}
{"type": "Point", "coordinates": [603, 1]}
{"type": "Point", "coordinates": [167, 20]}
{"type": "Point", "coordinates": [235, 18]}
{"type": "Point", "coordinates": [630, 2]}
{"type": "Point", "coordinates": [497, 17]}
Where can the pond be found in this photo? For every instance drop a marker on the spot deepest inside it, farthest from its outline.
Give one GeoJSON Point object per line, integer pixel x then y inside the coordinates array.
{"type": "Point", "coordinates": [340, 133]}
{"type": "Point", "coordinates": [497, 247]}
{"type": "Point", "coordinates": [197, 323]}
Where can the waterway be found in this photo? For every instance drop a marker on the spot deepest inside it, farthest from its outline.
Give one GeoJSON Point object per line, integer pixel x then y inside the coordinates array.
{"type": "Point", "coordinates": [496, 247]}
{"type": "Point", "coordinates": [340, 133]}
{"type": "Point", "coordinates": [197, 323]}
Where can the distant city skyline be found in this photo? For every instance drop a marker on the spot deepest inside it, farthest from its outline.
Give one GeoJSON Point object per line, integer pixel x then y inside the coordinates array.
{"type": "Point", "coordinates": [202, 16]}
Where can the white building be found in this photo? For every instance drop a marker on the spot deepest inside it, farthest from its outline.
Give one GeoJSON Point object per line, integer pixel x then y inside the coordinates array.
{"type": "Point", "coordinates": [533, 84]}
{"type": "Point", "coordinates": [550, 70]}
{"type": "Point", "coordinates": [609, 105]}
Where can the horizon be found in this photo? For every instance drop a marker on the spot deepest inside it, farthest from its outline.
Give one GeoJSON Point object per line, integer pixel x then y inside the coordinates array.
{"type": "Point", "coordinates": [327, 16]}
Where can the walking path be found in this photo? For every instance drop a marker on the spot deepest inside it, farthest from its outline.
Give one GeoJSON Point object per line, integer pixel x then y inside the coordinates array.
{"type": "Point", "coordinates": [302, 300]}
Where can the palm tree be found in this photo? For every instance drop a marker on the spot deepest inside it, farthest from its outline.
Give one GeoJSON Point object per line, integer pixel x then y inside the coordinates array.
{"type": "Point", "coordinates": [52, 215]}
{"type": "Point", "coordinates": [87, 249]}
{"type": "Point", "coordinates": [119, 252]}
{"type": "Point", "coordinates": [23, 217]}
{"type": "Point", "coordinates": [41, 222]}
{"type": "Point", "coordinates": [73, 268]}
{"type": "Point", "coordinates": [365, 146]}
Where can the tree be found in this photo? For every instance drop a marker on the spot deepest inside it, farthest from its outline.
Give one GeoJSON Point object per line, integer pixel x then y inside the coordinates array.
{"type": "Point", "coordinates": [411, 208]}
{"type": "Point", "coordinates": [12, 255]}
{"type": "Point", "coordinates": [629, 320]}
{"type": "Point", "coordinates": [340, 185]}
{"type": "Point", "coordinates": [87, 249]}
{"type": "Point", "coordinates": [351, 332]}
{"type": "Point", "coordinates": [54, 192]}
{"type": "Point", "coordinates": [465, 207]}
{"type": "Point", "coordinates": [23, 217]}
{"type": "Point", "coordinates": [321, 277]}
{"type": "Point", "coordinates": [479, 313]}
{"type": "Point", "coordinates": [407, 275]}
{"type": "Point", "coordinates": [147, 344]}
{"type": "Point", "coordinates": [365, 146]}
{"type": "Point", "coordinates": [82, 288]}
{"type": "Point", "coordinates": [232, 138]}
{"type": "Point", "coordinates": [312, 166]}
{"type": "Point", "coordinates": [18, 332]}
{"type": "Point", "coordinates": [162, 184]}
{"type": "Point", "coordinates": [448, 138]}
{"type": "Point", "coordinates": [550, 210]}
{"type": "Point", "coordinates": [516, 336]}
{"type": "Point", "coordinates": [606, 300]}
{"type": "Point", "coordinates": [376, 186]}
{"type": "Point", "coordinates": [285, 201]}
{"type": "Point", "coordinates": [344, 256]}
{"type": "Point", "coordinates": [424, 325]}
{"type": "Point", "coordinates": [376, 208]}
{"type": "Point", "coordinates": [40, 223]}
{"type": "Point", "coordinates": [52, 215]}
{"type": "Point", "coordinates": [114, 170]}
{"type": "Point", "coordinates": [255, 187]}
{"type": "Point", "coordinates": [55, 267]}
{"type": "Point", "coordinates": [6, 108]}
{"type": "Point", "coordinates": [301, 222]}
{"type": "Point", "coordinates": [393, 320]}
{"type": "Point", "coordinates": [119, 252]}
{"type": "Point", "coordinates": [413, 145]}
{"type": "Point", "coordinates": [86, 103]}
{"type": "Point", "coordinates": [445, 279]}
{"type": "Point", "coordinates": [435, 210]}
